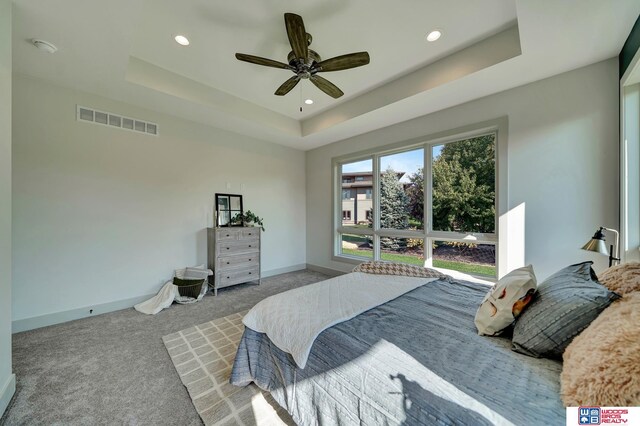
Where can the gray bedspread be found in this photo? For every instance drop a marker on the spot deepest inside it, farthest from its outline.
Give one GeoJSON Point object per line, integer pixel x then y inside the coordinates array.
{"type": "Point", "coordinates": [416, 360]}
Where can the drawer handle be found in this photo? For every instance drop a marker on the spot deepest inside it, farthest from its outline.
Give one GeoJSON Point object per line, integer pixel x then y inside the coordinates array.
{"type": "Point", "coordinates": [249, 273]}
{"type": "Point", "coordinates": [227, 263]}
{"type": "Point", "coordinates": [249, 245]}
{"type": "Point", "coordinates": [227, 248]}
{"type": "Point", "coordinates": [249, 260]}
{"type": "Point", "coordinates": [249, 233]}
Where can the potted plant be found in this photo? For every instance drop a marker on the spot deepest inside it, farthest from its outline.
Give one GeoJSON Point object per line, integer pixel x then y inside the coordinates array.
{"type": "Point", "coordinates": [248, 218]}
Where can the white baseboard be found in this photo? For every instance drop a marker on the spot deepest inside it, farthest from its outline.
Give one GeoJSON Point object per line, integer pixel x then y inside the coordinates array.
{"type": "Point", "coordinates": [73, 314]}
{"type": "Point", "coordinates": [278, 271]}
{"type": "Point", "coordinates": [326, 271]}
{"type": "Point", "coordinates": [6, 393]}
{"type": "Point", "coordinates": [89, 311]}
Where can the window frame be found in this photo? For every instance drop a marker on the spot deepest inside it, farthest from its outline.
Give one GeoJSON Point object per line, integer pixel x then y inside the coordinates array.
{"type": "Point", "coordinates": [499, 127]}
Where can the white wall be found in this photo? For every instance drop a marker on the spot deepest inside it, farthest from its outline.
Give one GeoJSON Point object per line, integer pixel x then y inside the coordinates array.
{"type": "Point", "coordinates": [630, 157]}
{"type": "Point", "coordinates": [102, 214]}
{"type": "Point", "coordinates": [562, 162]}
{"type": "Point", "coordinates": [7, 379]}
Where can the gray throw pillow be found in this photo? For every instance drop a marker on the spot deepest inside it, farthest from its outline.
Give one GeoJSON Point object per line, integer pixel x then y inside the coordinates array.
{"type": "Point", "coordinates": [565, 304]}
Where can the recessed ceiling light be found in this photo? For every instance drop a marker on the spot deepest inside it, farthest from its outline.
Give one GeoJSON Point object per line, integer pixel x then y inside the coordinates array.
{"type": "Point", "coordinates": [434, 35]}
{"type": "Point", "coordinates": [308, 101]}
{"type": "Point", "coordinates": [182, 40]}
{"type": "Point", "coordinates": [44, 46]}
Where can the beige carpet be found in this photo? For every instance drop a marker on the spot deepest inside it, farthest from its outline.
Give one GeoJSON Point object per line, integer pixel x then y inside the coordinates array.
{"type": "Point", "coordinates": [203, 356]}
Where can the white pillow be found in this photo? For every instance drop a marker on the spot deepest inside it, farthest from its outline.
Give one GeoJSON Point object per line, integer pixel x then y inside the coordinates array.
{"type": "Point", "coordinates": [180, 272]}
{"type": "Point", "coordinates": [196, 273]}
{"type": "Point", "coordinates": [506, 300]}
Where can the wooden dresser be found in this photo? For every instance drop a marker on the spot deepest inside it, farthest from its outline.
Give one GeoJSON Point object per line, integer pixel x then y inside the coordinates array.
{"type": "Point", "coordinates": [234, 255]}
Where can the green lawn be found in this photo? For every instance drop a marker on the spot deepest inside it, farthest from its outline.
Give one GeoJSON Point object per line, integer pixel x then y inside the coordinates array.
{"type": "Point", "coordinates": [356, 252]}
{"type": "Point", "coordinates": [467, 268]}
{"type": "Point", "coordinates": [354, 238]}
{"type": "Point", "coordinates": [402, 258]}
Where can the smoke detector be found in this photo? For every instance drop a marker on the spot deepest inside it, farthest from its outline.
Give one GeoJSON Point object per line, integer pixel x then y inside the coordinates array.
{"type": "Point", "coordinates": [44, 46]}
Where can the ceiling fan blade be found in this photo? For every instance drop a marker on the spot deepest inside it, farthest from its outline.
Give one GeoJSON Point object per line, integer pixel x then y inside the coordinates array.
{"type": "Point", "coordinates": [297, 35]}
{"type": "Point", "coordinates": [344, 62]}
{"type": "Point", "coordinates": [262, 61]}
{"type": "Point", "coordinates": [287, 86]}
{"type": "Point", "coordinates": [326, 86]}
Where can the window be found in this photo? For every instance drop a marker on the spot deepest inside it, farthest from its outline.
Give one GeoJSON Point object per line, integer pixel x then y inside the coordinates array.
{"type": "Point", "coordinates": [359, 178]}
{"type": "Point", "coordinates": [346, 194]}
{"type": "Point", "coordinates": [431, 204]}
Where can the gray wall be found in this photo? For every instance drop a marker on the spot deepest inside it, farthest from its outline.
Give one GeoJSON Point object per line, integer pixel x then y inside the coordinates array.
{"type": "Point", "coordinates": [103, 214]}
{"type": "Point", "coordinates": [7, 379]}
{"type": "Point", "coordinates": [562, 165]}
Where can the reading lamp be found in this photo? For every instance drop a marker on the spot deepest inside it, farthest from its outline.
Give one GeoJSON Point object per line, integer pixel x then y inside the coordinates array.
{"type": "Point", "coordinates": [597, 244]}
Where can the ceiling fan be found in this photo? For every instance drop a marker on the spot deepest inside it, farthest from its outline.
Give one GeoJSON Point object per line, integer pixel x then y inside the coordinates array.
{"type": "Point", "coordinates": [306, 63]}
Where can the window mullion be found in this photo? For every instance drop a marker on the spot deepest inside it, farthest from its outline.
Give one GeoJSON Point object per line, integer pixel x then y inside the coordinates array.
{"type": "Point", "coordinates": [427, 210]}
{"type": "Point", "coordinates": [376, 206]}
{"type": "Point", "coordinates": [428, 189]}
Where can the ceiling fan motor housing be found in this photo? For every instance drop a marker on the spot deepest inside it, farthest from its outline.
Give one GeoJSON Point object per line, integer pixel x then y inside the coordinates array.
{"type": "Point", "coordinates": [304, 69]}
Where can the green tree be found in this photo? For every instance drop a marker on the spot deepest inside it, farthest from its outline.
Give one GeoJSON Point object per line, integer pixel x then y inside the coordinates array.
{"type": "Point", "coordinates": [464, 186]}
{"type": "Point", "coordinates": [394, 212]}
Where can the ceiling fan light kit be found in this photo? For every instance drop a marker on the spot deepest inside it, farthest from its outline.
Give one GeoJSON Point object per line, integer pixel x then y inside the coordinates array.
{"type": "Point", "coordinates": [306, 63]}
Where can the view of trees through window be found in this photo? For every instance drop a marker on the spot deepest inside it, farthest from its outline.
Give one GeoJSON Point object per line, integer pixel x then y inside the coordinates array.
{"type": "Point", "coordinates": [462, 201]}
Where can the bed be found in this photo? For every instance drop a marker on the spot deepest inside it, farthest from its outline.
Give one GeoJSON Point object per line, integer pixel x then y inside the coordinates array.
{"type": "Point", "coordinates": [416, 359]}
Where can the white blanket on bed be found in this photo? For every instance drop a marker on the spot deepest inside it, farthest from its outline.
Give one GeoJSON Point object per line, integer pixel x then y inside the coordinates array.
{"type": "Point", "coordinates": [292, 320]}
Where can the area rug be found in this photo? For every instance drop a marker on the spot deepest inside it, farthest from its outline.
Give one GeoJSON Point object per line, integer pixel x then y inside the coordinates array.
{"type": "Point", "coordinates": [203, 356]}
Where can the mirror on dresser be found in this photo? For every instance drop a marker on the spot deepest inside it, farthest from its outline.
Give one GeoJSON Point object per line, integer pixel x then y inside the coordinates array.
{"type": "Point", "coordinates": [228, 206]}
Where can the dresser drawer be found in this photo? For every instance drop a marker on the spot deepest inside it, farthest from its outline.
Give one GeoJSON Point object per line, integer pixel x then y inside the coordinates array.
{"type": "Point", "coordinates": [243, 246]}
{"type": "Point", "coordinates": [228, 234]}
{"type": "Point", "coordinates": [249, 233]}
{"type": "Point", "coordinates": [231, 277]}
{"type": "Point", "coordinates": [236, 261]}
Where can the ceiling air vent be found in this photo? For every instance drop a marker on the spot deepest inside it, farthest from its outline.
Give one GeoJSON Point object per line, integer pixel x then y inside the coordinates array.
{"type": "Point", "coordinates": [114, 120]}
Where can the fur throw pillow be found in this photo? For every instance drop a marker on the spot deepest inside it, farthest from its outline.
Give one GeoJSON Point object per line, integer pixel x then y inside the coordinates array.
{"type": "Point", "coordinates": [391, 268]}
{"type": "Point", "coordinates": [602, 365]}
{"type": "Point", "coordinates": [623, 279]}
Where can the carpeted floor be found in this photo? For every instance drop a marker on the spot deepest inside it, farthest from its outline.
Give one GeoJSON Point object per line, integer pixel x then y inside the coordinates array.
{"type": "Point", "coordinates": [114, 368]}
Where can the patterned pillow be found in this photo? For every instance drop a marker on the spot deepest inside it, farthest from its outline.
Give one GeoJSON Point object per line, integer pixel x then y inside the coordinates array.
{"type": "Point", "coordinates": [623, 279]}
{"type": "Point", "coordinates": [391, 268]}
{"type": "Point", "coordinates": [505, 301]}
{"type": "Point", "coordinates": [565, 304]}
{"type": "Point", "coordinates": [602, 365]}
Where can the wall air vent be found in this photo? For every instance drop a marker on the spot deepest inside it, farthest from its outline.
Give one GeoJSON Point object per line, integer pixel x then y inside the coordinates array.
{"type": "Point", "coordinates": [114, 120]}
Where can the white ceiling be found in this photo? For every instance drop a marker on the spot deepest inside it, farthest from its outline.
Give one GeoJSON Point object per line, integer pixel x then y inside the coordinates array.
{"type": "Point", "coordinates": [124, 49]}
